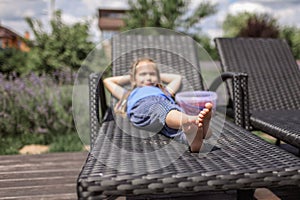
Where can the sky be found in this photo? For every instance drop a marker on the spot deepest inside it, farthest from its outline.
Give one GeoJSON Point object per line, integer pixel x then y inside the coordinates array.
{"type": "Point", "coordinates": [12, 13]}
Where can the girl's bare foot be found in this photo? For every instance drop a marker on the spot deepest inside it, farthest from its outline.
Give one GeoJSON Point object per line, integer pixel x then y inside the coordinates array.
{"type": "Point", "coordinates": [197, 128]}
{"type": "Point", "coordinates": [204, 120]}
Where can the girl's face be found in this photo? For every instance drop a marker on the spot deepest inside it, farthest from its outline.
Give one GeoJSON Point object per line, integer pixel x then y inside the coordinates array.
{"type": "Point", "coordinates": [146, 74]}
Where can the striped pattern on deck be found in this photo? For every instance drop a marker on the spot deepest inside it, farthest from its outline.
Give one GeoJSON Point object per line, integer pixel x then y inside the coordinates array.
{"type": "Point", "coordinates": [46, 176]}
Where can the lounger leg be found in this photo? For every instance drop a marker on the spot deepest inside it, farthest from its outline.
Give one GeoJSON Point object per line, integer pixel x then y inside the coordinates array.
{"type": "Point", "coordinates": [245, 194]}
{"type": "Point", "coordinates": [277, 142]}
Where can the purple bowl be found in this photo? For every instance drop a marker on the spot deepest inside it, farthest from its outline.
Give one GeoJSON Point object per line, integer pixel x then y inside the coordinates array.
{"type": "Point", "coordinates": [192, 102]}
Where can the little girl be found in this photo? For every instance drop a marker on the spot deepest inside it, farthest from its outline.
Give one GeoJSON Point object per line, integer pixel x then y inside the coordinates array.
{"type": "Point", "coordinates": [150, 106]}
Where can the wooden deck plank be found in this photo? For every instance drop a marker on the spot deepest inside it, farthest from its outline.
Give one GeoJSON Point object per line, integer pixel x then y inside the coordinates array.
{"type": "Point", "coordinates": [49, 156]}
{"type": "Point", "coordinates": [36, 174]}
{"type": "Point", "coordinates": [41, 162]}
{"type": "Point", "coordinates": [43, 197]}
{"type": "Point", "coordinates": [40, 166]}
{"type": "Point", "coordinates": [46, 176]}
{"type": "Point", "coordinates": [36, 181]}
{"type": "Point", "coordinates": [58, 189]}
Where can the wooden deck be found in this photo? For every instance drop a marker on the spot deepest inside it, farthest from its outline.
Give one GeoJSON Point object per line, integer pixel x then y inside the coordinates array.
{"type": "Point", "coordinates": [47, 176]}
{"type": "Point", "coordinates": [53, 177]}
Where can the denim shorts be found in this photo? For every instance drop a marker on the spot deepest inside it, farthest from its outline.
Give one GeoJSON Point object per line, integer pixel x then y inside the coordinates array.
{"type": "Point", "coordinates": [150, 114]}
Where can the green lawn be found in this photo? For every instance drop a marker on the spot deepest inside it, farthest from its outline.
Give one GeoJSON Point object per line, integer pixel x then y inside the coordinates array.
{"type": "Point", "coordinates": [265, 137]}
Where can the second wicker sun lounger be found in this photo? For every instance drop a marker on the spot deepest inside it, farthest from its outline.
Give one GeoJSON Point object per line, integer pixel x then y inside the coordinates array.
{"type": "Point", "coordinates": [273, 81]}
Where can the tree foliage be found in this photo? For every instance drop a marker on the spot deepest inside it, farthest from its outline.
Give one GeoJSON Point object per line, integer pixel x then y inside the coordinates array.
{"type": "Point", "coordinates": [64, 48]}
{"type": "Point", "coordinates": [263, 25]}
{"type": "Point", "coordinates": [292, 36]}
{"type": "Point", "coordinates": [234, 23]}
{"type": "Point", "coordinates": [174, 15]}
{"type": "Point", "coordinates": [152, 13]}
{"type": "Point", "coordinates": [247, 24]}
{"type": "Point", "coordinates": [166, 14]}
{"type": "Point", "coordinates": [13, 60]}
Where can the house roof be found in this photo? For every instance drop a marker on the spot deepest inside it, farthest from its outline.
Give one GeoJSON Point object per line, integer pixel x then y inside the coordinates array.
{"type": "Point", "coordinates": [7, 33]}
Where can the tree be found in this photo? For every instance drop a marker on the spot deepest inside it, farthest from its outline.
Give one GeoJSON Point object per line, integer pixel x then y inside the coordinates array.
{"type": "Point", "coordinates": [263, 25]}
{"type": "Point", "coordinates": [165, 14]}
{"type": "Point", "coordinates": [13, 60]}
{"type": "Point", "coordinates": [64, 48]}
{"type": "Point", "coordinates": [171, 15]}
{"type": "Point", "coordinates": [233, 24]}
{"type": "Point", "coordinates": [292, 36]}
{"type": "Point", "coordinates": [152, 13]}
{"type": "Point", "coordinates": [247, 24]}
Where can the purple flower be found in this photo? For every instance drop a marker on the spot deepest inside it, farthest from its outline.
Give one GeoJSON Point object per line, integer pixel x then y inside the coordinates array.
{"type": "Point", "coordinates": [21, 86]}
{"type": "Point", "coordinates": [35, 104]}
{"type": "Point", "coordinates": [29, 91]}
{"type": "Point", "coordinates": [7, 86]}
{"type": "Point", "coordinates": [1, 78]}
{"type": "Point", "coordinates": [34, 79]}
{"type": "Point", "coordinates": [41, 109]}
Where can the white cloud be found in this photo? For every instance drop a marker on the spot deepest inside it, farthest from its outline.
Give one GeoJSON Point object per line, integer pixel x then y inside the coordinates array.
{"type": "Point", "coordinates": [70, 19]}
{"type": "Point", "coordinates": [249, 7]}
{"type": "Point", "coordinates": [95, 4]}
{"type": "Point", "coordinates": [288, 16]}
{"type": "Point", "coordinates": [21, 9]}
{"type": "Point", "coordinates": [94, 30]}
{"type": "Point", "coordinates": [214, 32]}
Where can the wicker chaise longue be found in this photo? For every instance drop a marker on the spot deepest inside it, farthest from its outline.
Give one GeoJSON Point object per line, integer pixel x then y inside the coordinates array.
{"type": "Point", "coordinates": [273, 84]}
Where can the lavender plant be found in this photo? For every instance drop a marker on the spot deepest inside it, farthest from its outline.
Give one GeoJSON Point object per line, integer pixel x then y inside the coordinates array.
{"type": "Point", "coordinates": [36, 104]}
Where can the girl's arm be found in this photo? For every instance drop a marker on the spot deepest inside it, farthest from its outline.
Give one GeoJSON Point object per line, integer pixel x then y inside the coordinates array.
{"type": "Point", "coordinates": [114, 85]}
{"type": "Point", "coordinates": [173, 82]}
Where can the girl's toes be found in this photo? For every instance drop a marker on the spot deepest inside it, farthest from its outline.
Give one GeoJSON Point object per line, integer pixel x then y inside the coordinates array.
{"type": "Point", "coordinates": [208, 105]}
{"type": "Point", "coordinates": [206, 110]}
{"type": "Point", "coordinates": [203, 112]}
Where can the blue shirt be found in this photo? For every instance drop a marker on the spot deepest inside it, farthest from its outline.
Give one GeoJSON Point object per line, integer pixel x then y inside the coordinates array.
{"type": "Point", "coordinates": [142, 92]}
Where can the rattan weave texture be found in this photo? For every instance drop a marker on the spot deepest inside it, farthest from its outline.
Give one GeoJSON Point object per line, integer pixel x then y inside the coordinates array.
{"type": "Point", "coordinates": [240, 160]}
{"type": "Point", "coordinates": [273, 83]}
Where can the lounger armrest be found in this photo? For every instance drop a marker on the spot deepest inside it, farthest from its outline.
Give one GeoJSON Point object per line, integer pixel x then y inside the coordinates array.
{"type": "Point", "coordinates": [240, 100]}
{"type": "Point", "coordinates": [97, 100]}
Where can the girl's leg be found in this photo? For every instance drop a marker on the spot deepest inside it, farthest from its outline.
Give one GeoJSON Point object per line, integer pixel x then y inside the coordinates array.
{"type": "Point", "coordinates": [195, 127]}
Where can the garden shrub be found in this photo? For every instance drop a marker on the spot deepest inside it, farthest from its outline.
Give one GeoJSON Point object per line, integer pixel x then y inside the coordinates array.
{"type": "Point", "coordinates": [36, 105]}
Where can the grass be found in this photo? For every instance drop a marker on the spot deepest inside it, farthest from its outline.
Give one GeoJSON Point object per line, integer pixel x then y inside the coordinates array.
{"type": "Point", "coordinates": [265, 137]}
{"type": "Point", "coordinates": [67, 142]}
{"type": "Point", "coordinates": [57, 143]}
